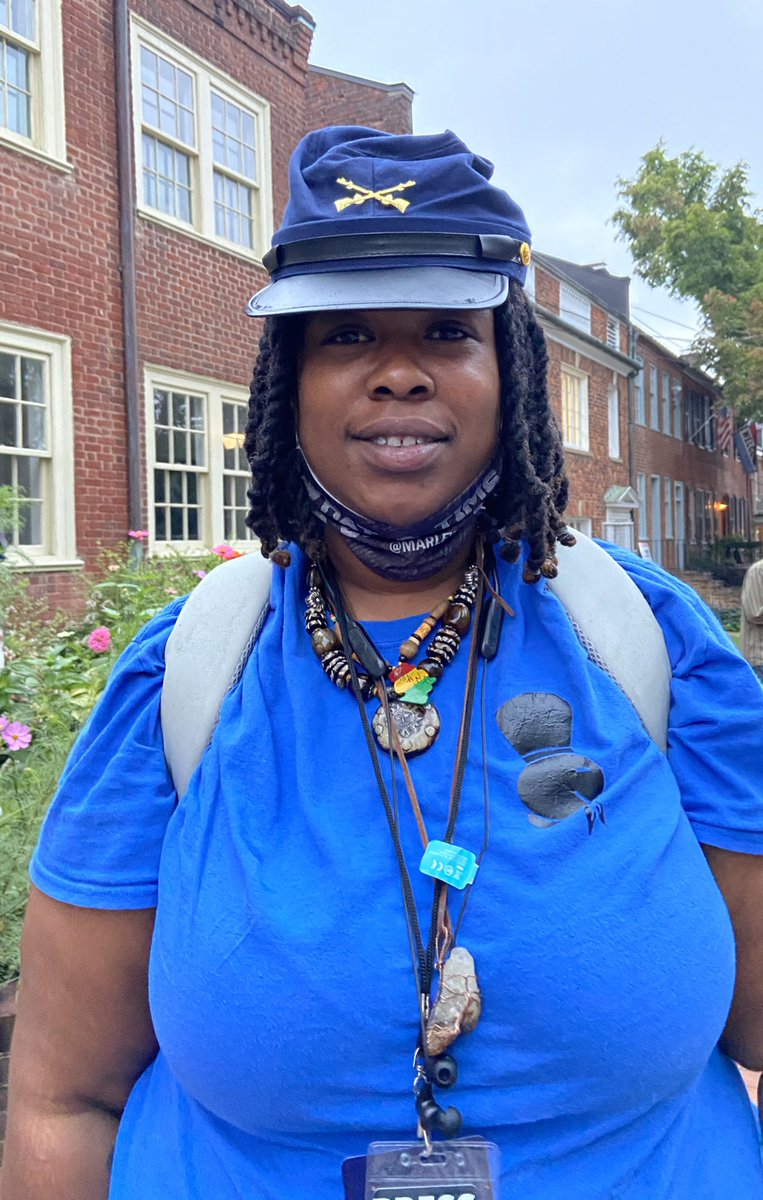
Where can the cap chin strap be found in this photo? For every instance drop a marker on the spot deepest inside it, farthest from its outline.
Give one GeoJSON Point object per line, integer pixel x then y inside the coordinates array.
{"type": "Point", "coordinates": [498, 248]}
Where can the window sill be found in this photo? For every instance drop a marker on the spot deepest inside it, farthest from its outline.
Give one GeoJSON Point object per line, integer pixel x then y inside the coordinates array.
{"type": "Point", "coordinates": [577, 450]}
{"type": "Point", "coordinates": [31, 151]}
{"type": "Point", "coordinates": [36, 564]}
{"type": "Point", "coordinates": [158, 218]}
{"type": "Point", "coordinates": [195, 549]}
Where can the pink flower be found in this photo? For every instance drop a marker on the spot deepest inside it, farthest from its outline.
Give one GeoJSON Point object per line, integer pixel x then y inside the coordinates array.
{"type": "Point", "coordinates": [139, 535]}
{"type": "Point", "coordinates": [200, 574]}
{"type": "Point", "coordinates": [16, 736]}
{"type": "Point", "coordinates": [99, 640]}
{"type": "Point", "coordinates": [5, 721]}
{"type": "Point", "coordinates": [170, 592]}
{"type": "Point", "coordinates": [224, 551]}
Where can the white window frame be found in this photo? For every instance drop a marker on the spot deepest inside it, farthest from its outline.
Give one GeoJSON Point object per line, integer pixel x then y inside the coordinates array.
{"type": "Point", "coordinates": [206, 78]}
{"type": "Point", "coordinates": [667, 403]}
{"type": "Point", "coordinates": [613, 413]}
{"type": "Point", "coordinates": [643, 509]}
{"type": "Point", "coordinates": [618, 526]}
{"type": "Point", "coordinates": [574, 307]}
{"type": "Point", "coordinates": [59, 543]}
{"type": "Point", "coordinates": [668, 514]}
{"type": "Point", "coordinates": [582, 524]}
{"type": "Point", "coordinates": [654, 398]}
{"type": "Point", "coordinates": [613, 333]}
{"type": "Point", "coordinates": [639, 382]}
{"type": "Point", "coordinates": [47, 139]}
{"type": "Point", "coordinates": [583, 445]}
{"type": "Point", "coordinates": [677, 394]}
{"type": "Point", "coordinates": [211, 521]}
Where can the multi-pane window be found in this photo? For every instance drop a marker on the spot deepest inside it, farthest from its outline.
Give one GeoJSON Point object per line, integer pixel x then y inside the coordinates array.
{"type": "Point", "coordinates": [24, 443]}
{"type": "Point", "coordinates": [574, 409]}
{"type": "Point", "coordinates": [613, 333]}
{"type": "Point", "coordinates": [654, 399]}
{"type": "Point", "coordinates": [574, 307]}
{"type": "Point", "coordinates": [666, 403]}
{"type": "Point", "coordinates": [678, 411]}
{"type": "Point", "coordinates": [179, 464]}
{"type": "Point", "coordinates": [700, 420]}
{"type": "Point", "coordinates": [36, 450]}
{"type": "Point", "coordinates": [613, 406]}
{"type": "Point", "coordinates": [668, 508]}
{"type": "Point", "coordinates": [31, 77]}
{"type": "Point", "coordinates": [639, 385]}
{"type": "Point", "coordinates": [203, 153]}
{"type": "Point", "coordinates": [236, 473]}
{"type": "Point", "coordinates": [168, 140]}
{"type": "Point", "coordinates": [235, 174]}
{"type": "Point", "coordinates": [643, 519]}
{"type": "Point", "coordinates": [18, 51]}
{"type": "Point", "coordinates": [200, 474]}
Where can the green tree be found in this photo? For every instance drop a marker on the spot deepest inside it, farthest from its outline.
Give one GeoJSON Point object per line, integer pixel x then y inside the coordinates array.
{"type": "Point", "coordinates": [690, 227]}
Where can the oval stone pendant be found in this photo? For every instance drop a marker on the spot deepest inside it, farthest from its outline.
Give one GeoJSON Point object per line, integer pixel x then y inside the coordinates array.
{"type": "Point", "coordinates": [458, 1005]}
{"type": "Point", "coordinates": [417, 725]}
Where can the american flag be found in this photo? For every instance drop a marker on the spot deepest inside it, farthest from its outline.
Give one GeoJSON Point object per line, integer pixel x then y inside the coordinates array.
{"type": "Point", "coordinates": [724, 429]}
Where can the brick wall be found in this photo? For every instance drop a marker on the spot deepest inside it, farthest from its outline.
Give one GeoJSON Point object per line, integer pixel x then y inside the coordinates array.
{"type": "Point", "coordinates": [678, 460]}
{"type": "Point", "coordinates": [332, 98]}
{"type": "Point", "coordinates": [60, 245]}
{"type": "Point", "coordinates": [591, 472]}
{"type": "Point", "coordinates": [192, 295]}
{"type": "Point", "coordinates": [59, 261]}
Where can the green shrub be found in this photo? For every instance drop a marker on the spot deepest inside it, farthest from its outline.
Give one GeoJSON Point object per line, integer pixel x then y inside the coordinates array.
{"type": "Point", "coordinates": [55, 669]}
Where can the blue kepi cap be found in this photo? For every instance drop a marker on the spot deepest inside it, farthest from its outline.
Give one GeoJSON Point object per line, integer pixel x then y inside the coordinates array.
{"type": "Point", "coordinates": [381, 220]}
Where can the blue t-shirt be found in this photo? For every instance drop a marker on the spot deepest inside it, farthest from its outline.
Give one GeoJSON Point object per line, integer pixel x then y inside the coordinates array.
{"type": "Point", "coordinates": [281, 983]}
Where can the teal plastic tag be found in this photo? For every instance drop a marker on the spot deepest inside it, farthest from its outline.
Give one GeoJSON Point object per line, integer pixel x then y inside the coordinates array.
{"type": "Point", "coordinates": [451, 864]}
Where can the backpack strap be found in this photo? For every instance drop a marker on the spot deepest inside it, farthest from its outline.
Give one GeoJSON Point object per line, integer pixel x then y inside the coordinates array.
{"type": "Point", "coordinates": [222, 618]}
{"type": "Point", "coordinates": [206, 654]}
{"type": "Point", "coordinates": [617, 628]}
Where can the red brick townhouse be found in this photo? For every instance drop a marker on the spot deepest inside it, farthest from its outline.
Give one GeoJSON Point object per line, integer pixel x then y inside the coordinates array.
{"type": "Point", "coordinates": [584, 312]}
{"type": "Point", "coordinates": [143, 160]}
{"type": "Point", "coordinates": [690, 485]}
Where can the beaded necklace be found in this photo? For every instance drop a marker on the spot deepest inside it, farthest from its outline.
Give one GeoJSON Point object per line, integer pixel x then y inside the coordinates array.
{"type": "Point", "coordinates": [416, 720]}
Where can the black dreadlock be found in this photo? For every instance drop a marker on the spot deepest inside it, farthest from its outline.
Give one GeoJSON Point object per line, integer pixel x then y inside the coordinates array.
{"type": "Point", "coordinates": [529, 501]}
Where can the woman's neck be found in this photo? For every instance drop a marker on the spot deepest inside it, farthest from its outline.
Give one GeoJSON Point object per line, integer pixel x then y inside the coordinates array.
{"type": "Point", "coordinates": [372, 597]}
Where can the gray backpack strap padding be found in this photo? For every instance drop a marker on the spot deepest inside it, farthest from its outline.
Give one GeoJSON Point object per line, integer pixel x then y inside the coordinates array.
{"type": "Point", "coordinates": [205, 655]}
{"type": "Point", "coordinates": [617, 628]}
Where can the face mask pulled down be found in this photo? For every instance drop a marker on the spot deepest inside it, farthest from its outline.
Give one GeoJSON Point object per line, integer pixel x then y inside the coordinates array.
{"type": "Point", "coordinates": [409, 552]}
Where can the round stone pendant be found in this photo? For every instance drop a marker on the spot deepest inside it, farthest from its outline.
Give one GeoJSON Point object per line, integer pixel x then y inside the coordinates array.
{"type": "Point", "coordinates": [417, 725]}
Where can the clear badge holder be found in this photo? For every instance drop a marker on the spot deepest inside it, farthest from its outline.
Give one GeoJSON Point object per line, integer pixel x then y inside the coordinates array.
{"type": "Point", "coordinates": [459, 1169]}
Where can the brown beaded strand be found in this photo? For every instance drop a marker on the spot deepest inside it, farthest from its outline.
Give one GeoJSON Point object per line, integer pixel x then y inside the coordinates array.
{"type": "Point", "coordinates": [455, 613]}
{"type": "Point", "coordinates": [325, 641]}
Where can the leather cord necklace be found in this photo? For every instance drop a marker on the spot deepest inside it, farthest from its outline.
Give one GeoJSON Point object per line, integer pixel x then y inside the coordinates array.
{"type": "Point", "coordinates": [458, 1003]}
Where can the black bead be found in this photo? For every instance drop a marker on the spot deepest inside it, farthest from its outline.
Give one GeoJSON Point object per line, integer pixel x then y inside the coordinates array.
{"type": "Point", "coordinates": [442, 1071]}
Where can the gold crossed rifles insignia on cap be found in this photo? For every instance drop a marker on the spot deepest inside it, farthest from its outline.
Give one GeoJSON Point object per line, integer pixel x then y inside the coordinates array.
{"type": "Point", "coordinates": [384, 196]}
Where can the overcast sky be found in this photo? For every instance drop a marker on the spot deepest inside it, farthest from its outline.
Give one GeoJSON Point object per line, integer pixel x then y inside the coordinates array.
{"type": "Point", "coordinates": [564, 97]}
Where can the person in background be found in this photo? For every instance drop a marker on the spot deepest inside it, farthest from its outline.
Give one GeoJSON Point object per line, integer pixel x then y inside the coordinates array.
{"type": "Point", "coordinates": [432, 876]}
{"type": "Point", "coordinates": [752, 617]}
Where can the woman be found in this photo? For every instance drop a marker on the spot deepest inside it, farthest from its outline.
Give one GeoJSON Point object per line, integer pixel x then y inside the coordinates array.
{"type": "Point", "coordinates": [752, 617]}
{"type": "Point", "coordinates": [312, 990]}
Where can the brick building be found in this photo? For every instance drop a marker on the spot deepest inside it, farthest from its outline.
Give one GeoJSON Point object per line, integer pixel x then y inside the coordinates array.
{"type": "Point", "coordinates": [143, 156]}
{"type": "Point", "coordinates": [584, 314]}
{"type": "Point", "coordinates": [339, 99]}
{"type": "Point", "coordinates": [690, 485]}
